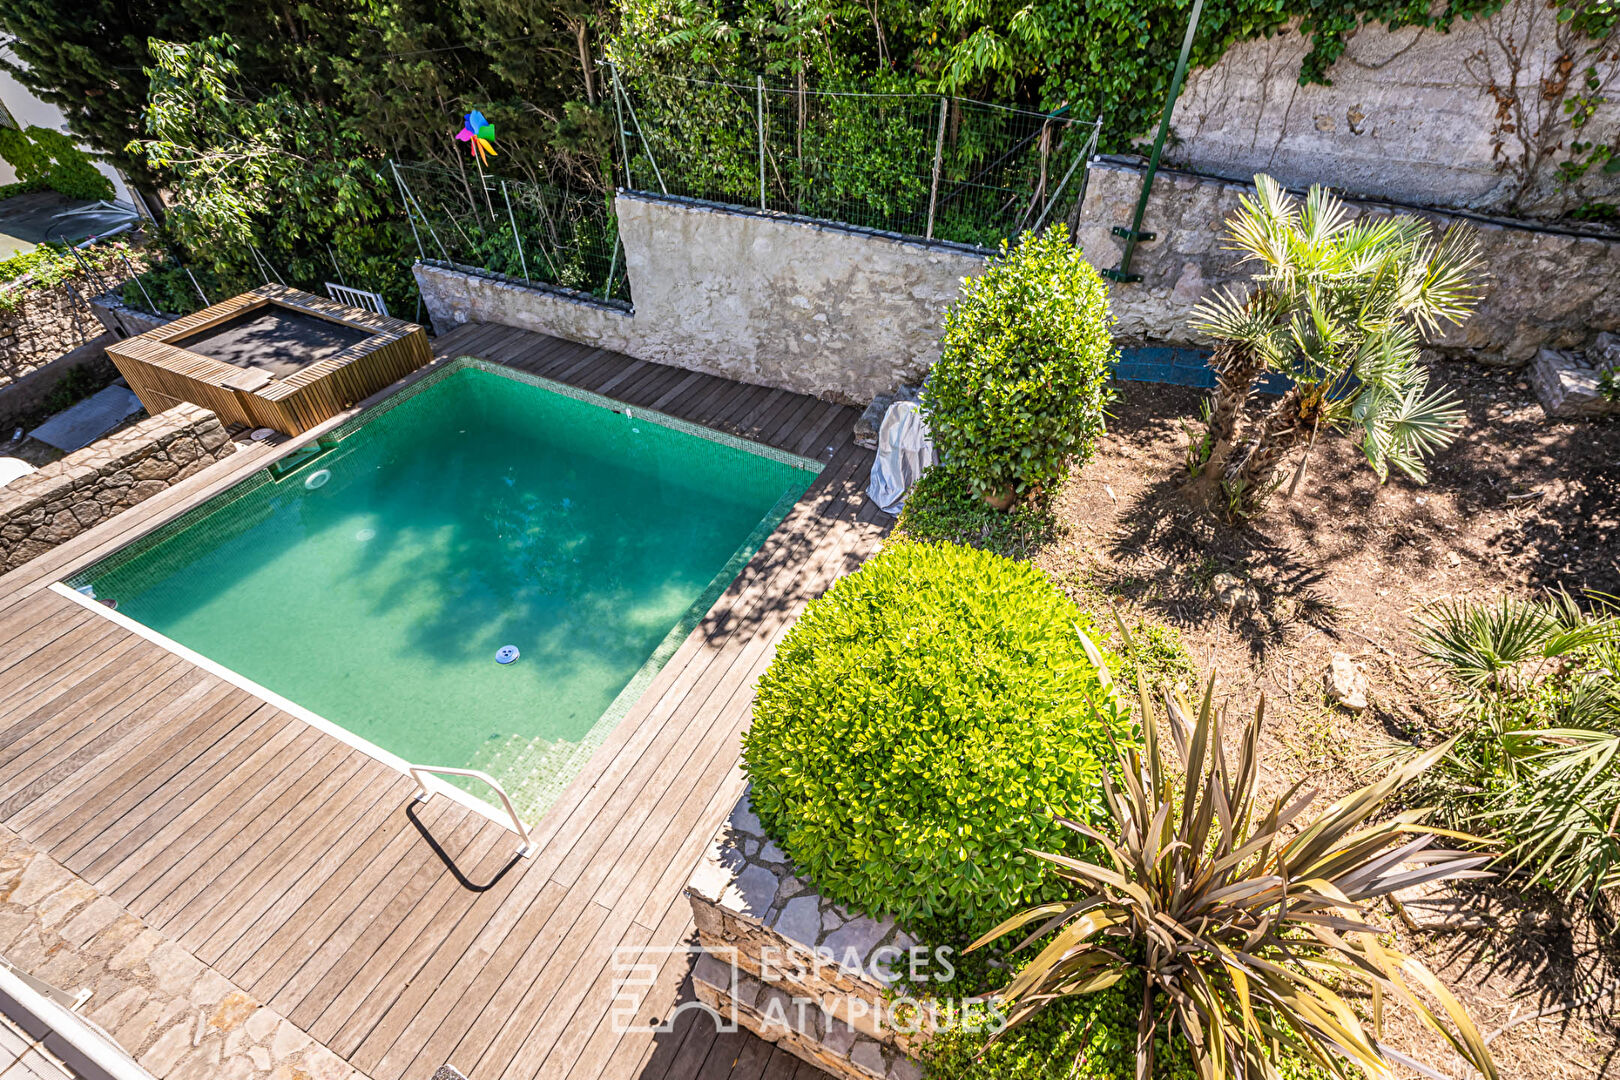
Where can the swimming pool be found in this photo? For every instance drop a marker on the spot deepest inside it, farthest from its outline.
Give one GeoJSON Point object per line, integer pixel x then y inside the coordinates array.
{"type": "Point", "coordinates": [373, 578]}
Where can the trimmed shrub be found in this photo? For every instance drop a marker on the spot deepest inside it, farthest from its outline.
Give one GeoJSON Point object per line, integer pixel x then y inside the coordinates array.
{"type": "Point", "coordinates": [918, 728]}
{"type": "Point", "coordinates": [1019, 392]}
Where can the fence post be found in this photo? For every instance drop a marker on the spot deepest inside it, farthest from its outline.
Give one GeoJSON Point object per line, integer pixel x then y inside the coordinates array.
{"type": "Point", "coordinates": [1081, 162]}
{"type": "Point", "coordinates": [939, 158]}
{"type": "Point", "coordinates": [516, 239]}
{"type": "Point", "coordinates": [194, 285]}
{"type": "Point", "coordinates": [135, 276]}
{"type": "Point", "coordinates": [410, 217]}
{"type": "Point", "coordinates": [759, 121]}
{"type": "Point", "coordinates": [618, 113]}
{"type": "Point", "coordinates": [409, 194]}
{"type": "Point", "coordinates": [630, 107]}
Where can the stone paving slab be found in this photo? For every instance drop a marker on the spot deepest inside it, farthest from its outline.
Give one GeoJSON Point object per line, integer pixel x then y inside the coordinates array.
{"type": "Point", "coordinates": [80, 425]}
{"type": "Point", "coordinates": [179, 1018]}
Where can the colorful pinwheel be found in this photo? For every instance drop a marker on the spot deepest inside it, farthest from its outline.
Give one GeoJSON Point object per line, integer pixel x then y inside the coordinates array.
{"type": "Point", "coordinates": [476, 132]}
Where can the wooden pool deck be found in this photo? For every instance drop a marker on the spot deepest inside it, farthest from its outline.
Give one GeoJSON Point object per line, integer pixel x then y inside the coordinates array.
{"type": "Point", "coordinates": [295, 866]}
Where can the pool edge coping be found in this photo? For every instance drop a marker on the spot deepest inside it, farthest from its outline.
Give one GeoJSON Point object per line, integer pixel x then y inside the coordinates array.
{"type": "Point", "coordinates": [292, 708]}
{"type": "Point", "coordinates": [363, 413]}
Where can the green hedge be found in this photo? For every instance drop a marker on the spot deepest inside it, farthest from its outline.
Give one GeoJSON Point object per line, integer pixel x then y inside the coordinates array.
{"type": "Point", "coordinates": [1019, 392]}
{"type": "Point", "coordinates": [918, 727]}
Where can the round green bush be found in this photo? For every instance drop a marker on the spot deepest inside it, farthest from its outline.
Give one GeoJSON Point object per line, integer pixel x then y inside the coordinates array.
{"type": "Point", "coordinates": [1019, 392]}
{"type": "Point", "coordinates": [918, 728]}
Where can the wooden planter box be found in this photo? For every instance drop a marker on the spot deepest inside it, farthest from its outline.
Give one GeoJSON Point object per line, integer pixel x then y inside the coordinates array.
{"type": "Point", "coordinates": [286, 394]}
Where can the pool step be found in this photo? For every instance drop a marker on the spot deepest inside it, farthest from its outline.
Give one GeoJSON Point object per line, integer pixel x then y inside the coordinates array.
{"type": "Point", "coordinates": [533, 771]}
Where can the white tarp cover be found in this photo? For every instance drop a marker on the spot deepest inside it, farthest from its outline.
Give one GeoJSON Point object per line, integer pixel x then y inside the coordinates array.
{"type": "Point", "coordinates": [13, 469]}
{"type": "Point", "coordinates": [904, 451]}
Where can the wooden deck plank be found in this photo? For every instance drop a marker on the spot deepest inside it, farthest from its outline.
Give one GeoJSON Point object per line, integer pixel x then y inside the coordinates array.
{"type": "Point", "coordinates": [121, 807]}
{"type": "Point", "coordinates": [227, 853]}
{"type": "Point", "coordinates": [233, 895]}
{"type": "Point", "coordinates": [127, 765]}
{"type": "Point", "coordinates": [213, 818]}
{"type": "Point", "coordinates": [171, 817]}
{"type": "Point", "coordinates": [362, 965]}
{"type": "Point", "coordinates": [105, 717]}
{"type": "Point", "coordinates": [303, 951]}
{"type": "Point", "coordinates": [289, 863]}
{"type": "Point", "coordinates": [284, 957]}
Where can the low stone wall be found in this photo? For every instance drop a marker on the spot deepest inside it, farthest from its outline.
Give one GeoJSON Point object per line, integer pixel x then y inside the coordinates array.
{"type": "Point", "coordinates": [66, 497]}
{"type": "Point", "coordinates": [798, 970]}
{"type": "Point", "coordinates": [43, 325]}
{"type": "Point", "coordinates": [838, 312]}
{"type": "Point", "coordinates": [25, 399]}
{"type": "Point", "coordinates": [1547, 289]}
{"type": "Point", "coordinates": [121, 319]}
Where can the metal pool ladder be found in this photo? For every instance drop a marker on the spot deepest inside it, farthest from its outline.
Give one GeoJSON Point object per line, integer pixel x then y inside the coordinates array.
{"type": "Point", "coordinates": [422, 795]}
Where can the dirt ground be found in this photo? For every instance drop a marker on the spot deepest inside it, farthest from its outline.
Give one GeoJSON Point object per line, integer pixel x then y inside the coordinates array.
{"type": "Point", "coordinates": [1516, 505]}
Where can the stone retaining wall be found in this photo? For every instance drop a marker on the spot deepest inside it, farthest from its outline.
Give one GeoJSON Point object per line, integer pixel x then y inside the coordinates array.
{"type": "Point", "coordinates": [838, 312]}
{"type": "Point", "coordinates": [1546, 290]}
{"type": "Point", "coordinates": [1413, 115]}
{"type": "Point", "coordinates": [45, 324]}
{"type": "Point", "coordinates": [125, 321]}
{"type": "Point", "coordinates": [55, 504]}
{"type": "Point", "coordinates": [797, 969]}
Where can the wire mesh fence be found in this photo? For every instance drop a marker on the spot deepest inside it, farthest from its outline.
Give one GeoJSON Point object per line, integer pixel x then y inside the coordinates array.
{"type": "Point", "coordinates": [527, 231]}
{"type": "Point", "coordinates": [937, 167]}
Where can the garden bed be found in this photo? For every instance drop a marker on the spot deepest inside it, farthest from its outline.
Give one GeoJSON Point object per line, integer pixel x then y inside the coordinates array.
{"type": "Point", "coordinates": [1516, 505]}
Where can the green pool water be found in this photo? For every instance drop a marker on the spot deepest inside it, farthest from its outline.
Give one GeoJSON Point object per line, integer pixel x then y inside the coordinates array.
{"type": "Point", "coordinates": [374, 584]}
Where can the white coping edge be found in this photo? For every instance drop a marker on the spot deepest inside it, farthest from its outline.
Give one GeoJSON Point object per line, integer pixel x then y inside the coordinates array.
{"type": "Point", "coordinates": [89, 1051]}
{"type": "Point", "coordinates": [270, 697]}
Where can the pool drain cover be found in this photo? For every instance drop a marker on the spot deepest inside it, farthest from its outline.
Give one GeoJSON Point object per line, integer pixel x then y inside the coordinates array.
{"type": "Point", "coordinates": [506, 654]}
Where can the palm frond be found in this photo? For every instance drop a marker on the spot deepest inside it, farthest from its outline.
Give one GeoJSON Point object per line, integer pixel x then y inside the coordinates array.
{"type": "Point", "coordinates": [1403, 427]}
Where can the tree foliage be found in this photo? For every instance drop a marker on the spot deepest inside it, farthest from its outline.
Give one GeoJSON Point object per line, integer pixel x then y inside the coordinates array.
{"type": "Point", "coordinates": [49, 158]}
{"type": "Point", "coordinates": [1336, 303]}
{"type": "Point", "coordinates": [266, 183]}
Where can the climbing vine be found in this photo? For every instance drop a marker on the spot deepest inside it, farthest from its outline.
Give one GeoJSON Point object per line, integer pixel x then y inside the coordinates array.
{"type": "Point", "coordinates": [50, 159]}
{"type": "Point", "coordinates": [1109, 57]}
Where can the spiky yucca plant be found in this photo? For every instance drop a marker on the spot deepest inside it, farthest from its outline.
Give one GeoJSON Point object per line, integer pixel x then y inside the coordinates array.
{"type": "Point", "coordinates": [1250, 923]}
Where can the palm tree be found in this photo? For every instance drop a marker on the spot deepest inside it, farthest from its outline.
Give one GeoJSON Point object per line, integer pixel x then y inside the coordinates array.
{"type": "Point", "coordinates": [1336, 304]}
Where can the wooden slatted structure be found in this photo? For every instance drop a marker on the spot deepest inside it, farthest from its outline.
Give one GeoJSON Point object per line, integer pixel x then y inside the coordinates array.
{"type": "Point", "coordinates": [163, 372]}
{"type": "Point", "coordinates": [295, 866]}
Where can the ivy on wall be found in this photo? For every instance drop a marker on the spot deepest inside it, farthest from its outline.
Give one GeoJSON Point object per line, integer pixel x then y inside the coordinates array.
{"type": "Point", "coordinates": [1109, 57]}
{"type": "Point", "coordinates": [47, 158]}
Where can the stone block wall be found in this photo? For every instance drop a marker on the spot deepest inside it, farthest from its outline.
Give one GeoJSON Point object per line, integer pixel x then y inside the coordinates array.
{"type": "Point", "coordinates": [55, 504]}
{"type": "Point", "coordinates": [1546, 289]}
{"type": "Point", "coordinates": [796, 969]}
{"type": "Point", "coordinates": [1570, 383]}
{"type": "Point", "coordinates": [841, 313]}
{"type": "Point", "coordinates": [1409, 115]}
{"type": "Point", "coordinates": [43, 325]}
{"type": "Point", "coordinates": [121, 319]}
